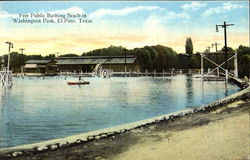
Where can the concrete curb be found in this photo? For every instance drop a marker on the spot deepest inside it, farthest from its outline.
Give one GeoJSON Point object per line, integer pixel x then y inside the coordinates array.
{"type": "Point", "coordinates": [113, 131]}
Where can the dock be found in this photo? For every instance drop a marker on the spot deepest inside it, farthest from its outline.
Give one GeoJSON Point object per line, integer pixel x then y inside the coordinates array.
{"type": "Point", "coordinates": [214, 78]}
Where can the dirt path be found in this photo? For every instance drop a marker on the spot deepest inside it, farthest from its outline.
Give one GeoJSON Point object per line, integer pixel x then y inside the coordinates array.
{"type": "Point", "coordinates": [219, 135]}
{"type": "Point", "coordinates": [219, 140]}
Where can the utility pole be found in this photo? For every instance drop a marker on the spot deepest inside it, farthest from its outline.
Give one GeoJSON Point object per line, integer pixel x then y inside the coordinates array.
{"type": "Point", "coordinates": [2, 63]}
{"type": "Point", "coordinates": [125, 50]}
{"type": "Point", "coordinates": [57, 53]}
{"type": "Point", "coordinates": [21, 49]}
{"type": "Point", "coordinates": [208, 55]}
{"type": "Point", "coordinates": [208, 49]}
{"type": "Point", "coordinates": [6, 76]}
{"type": "Point", "coordinates": [10, 46]}
{"type": "Point", "coordinates": [225, 25]}
{"type": "Point", "coordinates": [216, 49]}
{"type": "Point", "coordinates": [215, 44]}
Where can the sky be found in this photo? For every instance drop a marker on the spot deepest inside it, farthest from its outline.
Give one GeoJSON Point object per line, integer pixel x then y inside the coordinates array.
{"type": "Point", "coordinates": [131, 24]}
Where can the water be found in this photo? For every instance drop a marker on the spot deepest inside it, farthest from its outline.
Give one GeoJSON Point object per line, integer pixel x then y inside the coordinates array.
{"type": "Point", "coordinates": [37, 109]}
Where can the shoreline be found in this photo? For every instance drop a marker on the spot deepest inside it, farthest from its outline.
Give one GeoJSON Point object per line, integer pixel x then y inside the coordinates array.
{"type": "Point", "coordinates": [219, 135]}
{"type": "Point", "coordinates": [62, 143]}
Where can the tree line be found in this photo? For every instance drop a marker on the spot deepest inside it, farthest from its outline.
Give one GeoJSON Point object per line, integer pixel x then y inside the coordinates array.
{"type": "Point", "coordinates": [161, 57]}
{"type": "Point", "coordinates": [151, 57]}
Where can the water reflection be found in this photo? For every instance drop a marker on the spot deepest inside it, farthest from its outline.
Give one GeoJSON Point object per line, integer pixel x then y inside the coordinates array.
{"type": "Point", "coordinates": [38, 109]}
{"type": "Point", "coordinates": [203, 91]}
{"type": "Point", "coordinates": [189, 90]}
{"type": "Point", "coordinates": [226, 89]}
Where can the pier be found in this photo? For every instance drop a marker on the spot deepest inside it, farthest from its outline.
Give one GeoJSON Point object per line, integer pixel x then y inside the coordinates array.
{"type": "Point", "coordinates": [6, 78]}
{"type": "Point", "coordinates": [5, 73]}
{"type": "Point", "coordinates": [138, 73]}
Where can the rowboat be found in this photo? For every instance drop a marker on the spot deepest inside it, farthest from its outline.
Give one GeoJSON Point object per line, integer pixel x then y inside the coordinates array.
{"type": "Point", "coordinates": [78, 83]}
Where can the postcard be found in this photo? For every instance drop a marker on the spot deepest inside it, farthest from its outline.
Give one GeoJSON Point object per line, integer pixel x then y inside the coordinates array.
{"type": "Point", "coordinates": [124, 80]}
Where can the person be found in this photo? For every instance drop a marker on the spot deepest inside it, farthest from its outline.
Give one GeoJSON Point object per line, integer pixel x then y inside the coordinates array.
{"type": "Point", "coordinates": [104, 74]}
{"type": "Point", "coordinates": [80, 78]}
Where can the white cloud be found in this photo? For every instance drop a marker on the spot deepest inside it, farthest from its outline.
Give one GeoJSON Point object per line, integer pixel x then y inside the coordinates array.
{"type": "Point", "coordinates": [157, 27]}
{"type": "Point", "coordinates": [154, 23]}
{"type": "Point", "coordinates": [229, 6]}
{"type": "Point", "coordinates": [161, 18]}
{"type": "Point", "coordinates": [173, 15]}
{"type": "Point", "coordinates": [72, 10]}
{"type": "Point", "coordinates": [122, 12]}
{"type": "Point", "coordinates": [4, 14]}
{"type": "Point", "coordinates": [224, 8]}
{"type": "Point", "coordinates": [193, 6]}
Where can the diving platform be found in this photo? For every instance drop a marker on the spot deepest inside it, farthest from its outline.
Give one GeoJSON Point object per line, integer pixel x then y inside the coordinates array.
{"type": "Point", "coordinates": [215, 73]}
{"type": "Point", "coordinates": [214, 79]}
{"type": "Point", "coordinates": [6, 78]}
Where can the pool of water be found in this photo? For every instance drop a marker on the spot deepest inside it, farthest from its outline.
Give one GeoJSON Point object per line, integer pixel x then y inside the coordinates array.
{"type": "Point", "coordinates": [37, 109]}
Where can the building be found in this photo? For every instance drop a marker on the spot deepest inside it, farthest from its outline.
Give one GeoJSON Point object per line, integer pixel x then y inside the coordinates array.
{"type": "Point", "coordinates": [47, 67]}
{"type": "Point", "coordinates": [88, 63]}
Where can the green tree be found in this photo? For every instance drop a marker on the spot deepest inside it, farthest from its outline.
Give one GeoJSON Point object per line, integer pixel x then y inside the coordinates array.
{"type": "Point", "coordinates": [50, 56]}
{"type": "Point", "coordinates": [68, 55]}
{"type": "Point", "coordinates": [189, 46]}
{"type": "Point", "coordinates": [244, 61]}
{"type": "Point", "coordinates": [35, 57]}
{"type": "Point", "coordinates": [183, 61]}
{"type": "Point", "coordinates": [112, 50]}
{"type": "Point", "coordinates": [229, 49]}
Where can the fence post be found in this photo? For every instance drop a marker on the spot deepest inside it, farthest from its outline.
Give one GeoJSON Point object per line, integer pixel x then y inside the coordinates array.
{"type": "Point", "coordinates": [202, 74]}
{"type": "Point", "coordinates": [226, 75]}
{"type": "Point", "coordinates": [235, 65]}
{"type": "Point", "coordinates": [218, 71]}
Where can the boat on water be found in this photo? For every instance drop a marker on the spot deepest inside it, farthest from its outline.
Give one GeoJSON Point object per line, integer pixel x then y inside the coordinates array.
{"type": "Point", "coordinates": [78, 83]}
